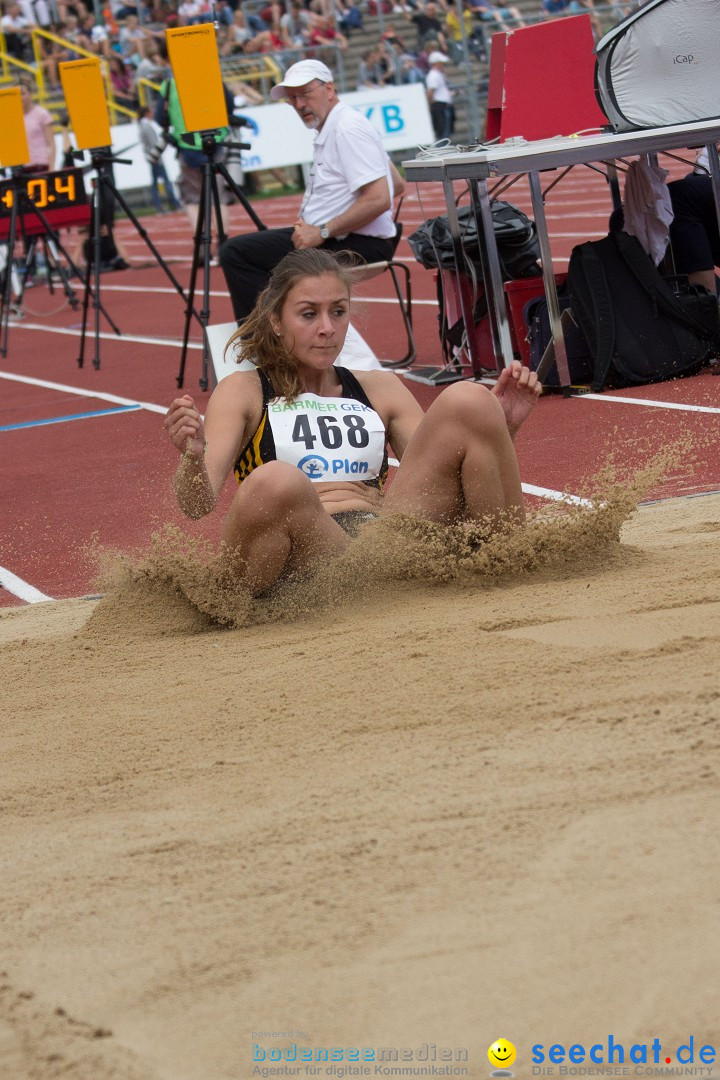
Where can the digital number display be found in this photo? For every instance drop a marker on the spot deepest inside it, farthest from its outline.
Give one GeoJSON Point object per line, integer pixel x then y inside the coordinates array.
{"type": "Point", "coordinates": [54, 190]}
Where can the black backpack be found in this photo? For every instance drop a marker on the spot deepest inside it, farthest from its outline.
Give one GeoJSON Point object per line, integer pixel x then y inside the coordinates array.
{"type": "Point", "coordinates": [515, 235]}
{"type": "Point", "coordinates": [639, 326]}
{"type": "Point", "coordinates": [536, 318]}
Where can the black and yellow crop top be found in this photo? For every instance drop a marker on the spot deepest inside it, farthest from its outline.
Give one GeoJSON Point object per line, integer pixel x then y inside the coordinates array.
{"type": "Point", "coordinates": [327, 438]}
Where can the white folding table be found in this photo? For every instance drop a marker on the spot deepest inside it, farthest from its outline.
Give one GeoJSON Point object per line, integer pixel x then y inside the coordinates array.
{"type": "Point", "coordinates": [517, 157]}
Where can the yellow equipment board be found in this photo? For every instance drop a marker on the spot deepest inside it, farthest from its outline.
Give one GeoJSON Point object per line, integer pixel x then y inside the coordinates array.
{"type": "Point", "coordinates": [13, 140]}
{"type": "Point", "coordinates": [195, 64]}
{"type": "Point", "coordinates": [82, 84]}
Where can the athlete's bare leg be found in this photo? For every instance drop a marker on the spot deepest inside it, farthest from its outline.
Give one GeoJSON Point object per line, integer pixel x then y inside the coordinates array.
{"type": "Point", "coordinates": [460, 464]}
{"type": "Point", "coordinates": [277, 524]}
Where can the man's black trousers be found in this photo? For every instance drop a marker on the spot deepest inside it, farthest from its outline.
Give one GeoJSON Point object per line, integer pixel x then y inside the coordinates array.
{"type": "Point", "coordinates": [248, 260]}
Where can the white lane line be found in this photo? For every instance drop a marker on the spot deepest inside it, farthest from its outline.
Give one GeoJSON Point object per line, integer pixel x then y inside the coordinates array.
{"type": "Point", "coordinates": [79, 392]}
{"type": "Point", "coordinates": [20, 588]}
{"type": "Point", "coordinates": [162, 289]}
{"type": "Point", "coordinates": [556, 496]}
{"type": "Point", "coordinates": [175, 343]}
{"type": "Point", "coordinates": [650, 403]}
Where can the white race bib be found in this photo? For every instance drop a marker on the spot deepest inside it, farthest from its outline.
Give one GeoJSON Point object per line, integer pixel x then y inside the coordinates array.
{"type": "Point", "coordinates": [328, 438]}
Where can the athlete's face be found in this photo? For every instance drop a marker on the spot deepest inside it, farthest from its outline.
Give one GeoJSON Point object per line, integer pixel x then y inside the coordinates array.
{"type": "Point", "coordinates": [312, 102]}
{"type": "Point", "coordinates": [314, 320]}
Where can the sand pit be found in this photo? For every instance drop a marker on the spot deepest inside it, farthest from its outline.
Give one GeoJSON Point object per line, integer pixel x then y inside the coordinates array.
{"type": "Point", "coordinates": [436, 814]}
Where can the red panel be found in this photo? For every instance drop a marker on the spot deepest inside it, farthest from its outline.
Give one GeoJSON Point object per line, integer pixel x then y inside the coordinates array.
{"type": "Point", "coordinates": [517, 294]}
{"type": "Point", "coordinates": [61, 218]}
{"type": "Point", "coordinates": [547, 73]}
{"type": "Point", "coordinates": [453, 312]}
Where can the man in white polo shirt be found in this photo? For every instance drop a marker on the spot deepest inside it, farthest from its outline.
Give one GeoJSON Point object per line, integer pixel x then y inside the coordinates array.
{"type": "Point", "coordinates": [348, 199]}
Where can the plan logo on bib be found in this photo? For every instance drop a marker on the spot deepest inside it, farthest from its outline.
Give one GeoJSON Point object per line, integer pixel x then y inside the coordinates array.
{"type": "Point", "coordinates": [313, 466]}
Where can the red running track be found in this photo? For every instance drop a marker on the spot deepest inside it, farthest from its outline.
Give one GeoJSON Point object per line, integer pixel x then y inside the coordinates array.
{"type": "Point", "coordinates": [105, 479]}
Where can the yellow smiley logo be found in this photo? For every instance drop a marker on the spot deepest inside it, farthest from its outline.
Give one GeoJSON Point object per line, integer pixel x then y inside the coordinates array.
{"type": "Point", "coordinates": [501, 1053]}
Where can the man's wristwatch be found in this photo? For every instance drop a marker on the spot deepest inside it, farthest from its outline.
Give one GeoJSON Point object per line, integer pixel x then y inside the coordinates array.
{"type": "Point", "coordinates": [324, 232]}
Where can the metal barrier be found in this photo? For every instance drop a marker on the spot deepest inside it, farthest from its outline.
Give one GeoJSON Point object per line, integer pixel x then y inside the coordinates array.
{"type": "Point", "coordinates": [11, 67]}
{"type": "Point", "coordinates": [261, 70]}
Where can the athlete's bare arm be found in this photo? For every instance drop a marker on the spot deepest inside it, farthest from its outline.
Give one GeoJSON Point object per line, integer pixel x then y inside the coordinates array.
{"type": "Point", "coordinates": [210, 447]}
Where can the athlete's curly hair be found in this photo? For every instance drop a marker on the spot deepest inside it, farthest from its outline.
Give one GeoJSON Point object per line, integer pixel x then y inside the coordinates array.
{"type": "Point", "coordinates": [256, 339]}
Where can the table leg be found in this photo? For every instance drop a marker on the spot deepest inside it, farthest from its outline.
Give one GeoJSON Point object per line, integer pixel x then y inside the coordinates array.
{"type": "Point", "coordinates": [467, 312]}
{"type": "Point", "coordinates": [551, 295]}
{"type": "Point", "coordinates": [714, 163]}
{"type": "Point", "coordinates": [492, 272]}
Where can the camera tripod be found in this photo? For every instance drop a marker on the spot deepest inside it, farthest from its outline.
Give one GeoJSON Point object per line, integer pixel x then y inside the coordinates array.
{"type": "Point", "coordinates": [23, 206]}
{"type": "Point", "coordinates": [105, 194]}
{"type": "Point", "coordinates": [209, 201]}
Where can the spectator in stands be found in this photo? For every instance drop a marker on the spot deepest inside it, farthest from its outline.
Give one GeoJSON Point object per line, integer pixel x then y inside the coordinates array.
{"type": "Point", "coordinates": [132, 35]}
{"type": "Point", "coordinates": [93, 37]}
{"type": "Point", "coordinates": [272, 13]}
{"type": "Point", "coordinates": [348, 200]}
{"type": "Point", "coordinates": [429, 28]}
{"type": "Point", "coordinates": [368, 69]}
{"type": "Point", "coordinates": [410, 72]}
{"type": "Point", "coordinates": [384, 68]}
{"type": "Point", "coordinates": [122, 83]}
{"type": "Point", "coordinates": [323, 32]}
{"type": "Point", "coordinates": [70, 31]}
{"type": "Point", "coordinates": [223, 14]}
{"type": "Point", "coordinates": [17, 31]}
{"type": "Point", "coordinates": [347, 16]}
{"type": "Point", "coordinates": [502, 17]}
{"type": "Point", "coordinates": [37, 12]}
{"type": "Point", "coordinates": [53, 53]}
{"type": "Point", "coordinates": [270, 41]}
{"type": "Point", "coordinates": [122, 9]}
{"type": "Point", "coordinates": [455, 32]}
{"type": "Point", "coordinates": [296, 24]}
{"type": "Point", "coordinates": [396, 56]}
{"type": "Point", "coordinates": [191, 12]}
{"type": "Point", "coordinates": [152, 66]}
{"type": "Point", "coordinates": [239, 35]}
{"type": "Point", "coordinates": [439, 96]}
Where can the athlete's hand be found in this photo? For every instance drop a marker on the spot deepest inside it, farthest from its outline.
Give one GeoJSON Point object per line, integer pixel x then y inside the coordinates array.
{"type": "Point", "coordinates": [185, 428]}
{"type": "Point", "coordinates": [517, 389]}
{"type": "Point", "coordinates": [306, 236]}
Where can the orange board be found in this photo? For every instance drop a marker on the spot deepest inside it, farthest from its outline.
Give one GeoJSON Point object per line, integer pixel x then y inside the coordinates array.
{"type": "Point", "coordinates": [13, 140]}
{"type": "Point", "coordinates": [84, 90]}
{"type": "Point", "coordinates": [193, 51]}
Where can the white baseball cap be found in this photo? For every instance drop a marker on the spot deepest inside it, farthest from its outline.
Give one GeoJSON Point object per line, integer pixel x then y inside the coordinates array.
{"type": "Point", "coordinates": [300, 74]}
{"type": "Point", "coordinates": [436, 58]}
